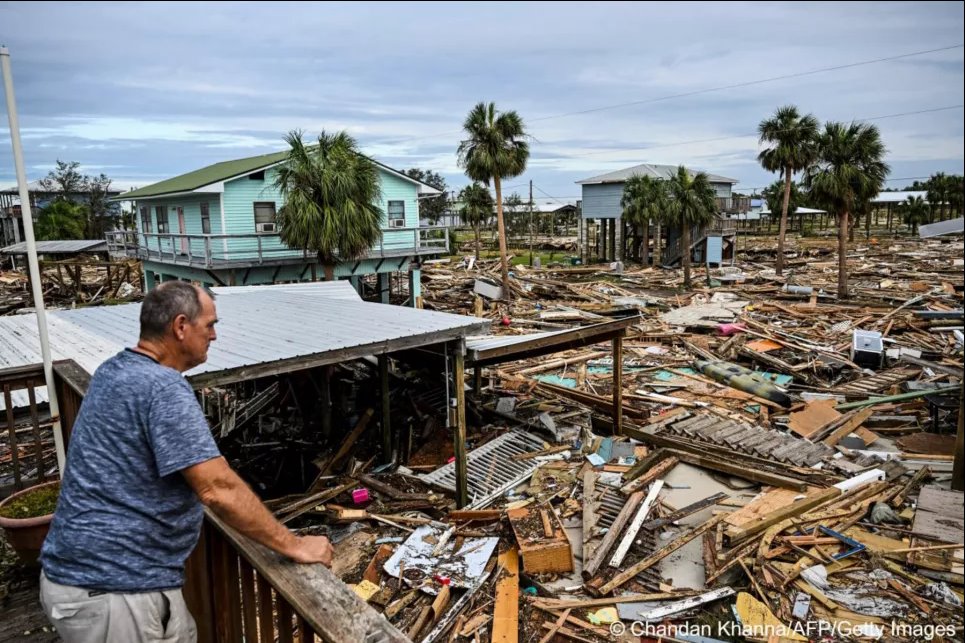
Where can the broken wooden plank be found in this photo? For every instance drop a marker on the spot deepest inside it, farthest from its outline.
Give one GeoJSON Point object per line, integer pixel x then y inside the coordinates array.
{"type": "Point", "coordinates": [660, 469]}
{"type": "Point", "coordinates": [593, 566]}
{"type": "Point", "coordinates": [506, 610]}
{"type": "Point", "coordinates": [683, 512]}
{"type": "Point", "coordinates": [654, 558]}
{"type": "Point", "coordinates": [737, 534]}
{"type": "Point", "coordinates": [349, 442]}
{"type": "Point", "coordinates": [635, 525]}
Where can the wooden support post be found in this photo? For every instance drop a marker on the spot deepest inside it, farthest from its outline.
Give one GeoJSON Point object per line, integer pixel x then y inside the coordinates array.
{"type": "Point", "coordinates": [459, 384]}
{"type": "Point", "coordinates": [386, 408]}
{"type": "Point", "coordinates": [326, 402]}
{"type": "Point", "coordinates": [958, 484]}
{"type": "Point", "coordinates": [618, 385]}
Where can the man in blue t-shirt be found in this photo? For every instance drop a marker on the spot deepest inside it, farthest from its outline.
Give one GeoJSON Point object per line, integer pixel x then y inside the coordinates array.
{"type": "Point", "coordinates": [141, 463]}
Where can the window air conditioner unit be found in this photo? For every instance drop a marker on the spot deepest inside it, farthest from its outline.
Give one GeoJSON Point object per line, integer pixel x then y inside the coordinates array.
{"type": "Point", "coordinates": [265, 227]}
{"type": "Point", "coordinates": [396, 223]}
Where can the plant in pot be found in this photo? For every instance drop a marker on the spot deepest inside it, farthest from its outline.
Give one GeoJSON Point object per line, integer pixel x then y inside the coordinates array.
{"type": "Point", "coordinates": [25, 517]}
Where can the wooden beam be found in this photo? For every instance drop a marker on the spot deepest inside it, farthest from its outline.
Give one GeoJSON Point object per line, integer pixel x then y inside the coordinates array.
{"type": "Point", "coordinates": [349, 441]}
{"type": "Point", "coordinates": [459, 439]}
{"type": "Point", "coordinates": [635, 525]}
{"type": "Point", "coordinates": [386, 408]}
{"type": "Point", "coordinates": [506, 611]}
{"type": "Point", "coordinates": [736, 534]}
{"type": "Point", "coordinates": [612, 535]}
{"type": "Point", "coordinates": [617, 413]}
{"type": "Point", "coordinates": [656, 557]}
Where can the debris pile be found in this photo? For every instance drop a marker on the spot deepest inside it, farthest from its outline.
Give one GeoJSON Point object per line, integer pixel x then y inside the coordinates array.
{"type": "Point", "coordinates": [782, 472]}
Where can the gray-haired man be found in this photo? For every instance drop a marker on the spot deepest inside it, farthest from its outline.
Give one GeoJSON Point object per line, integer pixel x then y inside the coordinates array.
{"type": "Point", "coordinates": [141, 462]}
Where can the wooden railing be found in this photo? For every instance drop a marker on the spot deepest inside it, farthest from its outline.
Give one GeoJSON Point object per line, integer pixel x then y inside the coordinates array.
{"type": "Point", "coordinates": [213, 250]}
{"type": "Point", "coordinates": [27, 455]}
{"type": "Point", "coordinates": [238, 591]}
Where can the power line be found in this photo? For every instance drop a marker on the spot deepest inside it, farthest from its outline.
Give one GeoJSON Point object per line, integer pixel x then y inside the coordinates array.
{"type": "Point", "coordinates": [727, 138]}
{"type": "Point", "coordinates": [748, 83]}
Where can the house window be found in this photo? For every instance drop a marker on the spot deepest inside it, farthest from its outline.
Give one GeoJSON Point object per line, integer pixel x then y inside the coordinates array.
{"type": "Point", "coordinates": [146, 219]}
{"type": "Point", "coordinates": [205, 219]}
{"type": "Point", "coordinates": [265, 216]}
{"type": "Point", "coordinates": [257, 176]}
{"type": "Point", "coordinates": [396, 213]}
{"type": "Point", "coordinates": [161, 214]}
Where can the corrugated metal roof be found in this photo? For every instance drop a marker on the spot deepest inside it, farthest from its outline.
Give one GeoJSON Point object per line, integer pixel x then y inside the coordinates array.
{"type": "Point", "coordinates": [258, 325]}
{"type": "Point", "coordinates": [58, 247]}
{"type": "Point", "coordinates": [899, 197]}
{"type": "Point", "coordinates": [950, 226]}
{"type": "Point", "coordinates": [648, 169]}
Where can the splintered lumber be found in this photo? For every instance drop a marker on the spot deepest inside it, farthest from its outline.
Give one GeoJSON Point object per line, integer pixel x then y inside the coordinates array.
{"type": "Point", "coordinates": [587, 603]}
{"type": "Point", "coordinates": [592, 499]}
{"type": "Point", "coordinates": [684, 511]}
{"type": "Point", "coordinates": [634, 527]}
{"type": "Point", "coordinates": [843, 427]}
{"type": "Point", "coordinates": [506, 611]}
{"type": "Point", "coordinates": [290, 512]}
{"type": "Point", "coordinates": [600, 403]}
{"type": "Point", "coordinates": [542, 540]}
{"type": "Point", "coordinates": [656, 557]}
{"type": "Point", "coordinates": [616, 529]}
{"type": "Point", "coordinates": [349, 442]}
{"type": "Point", "coordinates": [470, 515]}
{"type": "Point", "coordinates": [660, 469]}
{"type": "Point", "coordinates": [741, 465]}
{"type": "Point", "coordinates": [556, 627]}
{"type": "Point", "coordinates": [736, 534]}
{"type": "Point", "coordinates": [659, 613]}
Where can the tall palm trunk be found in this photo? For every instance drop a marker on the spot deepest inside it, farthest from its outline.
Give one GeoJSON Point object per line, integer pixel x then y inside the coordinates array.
{"type": "Point", "coordinates": [645, 248]}
{"type": "Point", "coordinates": [328, 267]}
{"type": "Point", "coordinates": [475, 230]}
{"type": "Point", "coordinates": [504, 262]}
{"type": "Point", "coordinates": [782, 230]}
{"type": "Point", "coordinates": [843, 255]}
{"type": "Point", "coordinates": [685, 254]}
{"type": "Point", "coordinates": [656, 245]}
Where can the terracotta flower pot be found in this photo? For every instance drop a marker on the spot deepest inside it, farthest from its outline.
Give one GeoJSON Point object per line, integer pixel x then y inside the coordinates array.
{"type": "Point", "coordinates": [26, 535]}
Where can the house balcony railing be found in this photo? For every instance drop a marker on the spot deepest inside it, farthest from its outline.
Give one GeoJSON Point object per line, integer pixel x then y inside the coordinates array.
{"type": "Point", "coordinates": [252, 249]}
{"type": "Point", "coordinates": [719, 227]}
{"type": "Point", "coordinates": [733, 204]}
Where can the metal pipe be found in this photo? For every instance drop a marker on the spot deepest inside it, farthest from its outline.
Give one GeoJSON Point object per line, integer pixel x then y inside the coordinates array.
{"type": "Point", "coordinates": [34, 266]}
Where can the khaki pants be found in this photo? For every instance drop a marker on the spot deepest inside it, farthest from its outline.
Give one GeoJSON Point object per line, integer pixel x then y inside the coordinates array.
{"type": "Point", "coordinates": [148, 617]}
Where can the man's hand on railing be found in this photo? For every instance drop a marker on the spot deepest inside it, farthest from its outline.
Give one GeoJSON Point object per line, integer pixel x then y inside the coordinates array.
{"type": "Point", "coordinates": [313, 549]}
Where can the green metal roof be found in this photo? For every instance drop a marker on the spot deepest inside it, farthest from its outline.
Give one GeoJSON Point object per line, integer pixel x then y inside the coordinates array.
{"type": "Point", "coordinates": [204, 176]}
{"type": "Point", "coordinates": [225, 170]}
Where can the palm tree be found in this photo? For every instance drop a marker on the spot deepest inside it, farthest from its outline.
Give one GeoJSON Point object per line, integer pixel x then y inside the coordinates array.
{"type": "Point", "coordinates": [644, 200]}
{"type": "Point", "coordinates": [791, 138]}
{"type": "Point", "coordinates": [493, 150]}
{"type": "Point", "coordinates": [915, 211]}
{"type": "Point", "coordinates": [693, 203]}
{"type": "Point", "coordinates": [938, 190]}
{"type": "Point", "coordinates": [331, 191]}
{"type": "Point", "coordinates": [61, 220]}
{"type": "Point", "coordinates": [774, 196]}
{"type": "Point", "coordinates": [477, 208]}
{"type": "Point", "coordinates": [849, 173]}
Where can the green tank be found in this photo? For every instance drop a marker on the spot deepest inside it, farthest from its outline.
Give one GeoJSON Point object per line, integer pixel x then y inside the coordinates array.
{"type": "Point", "coordinates": [743, 379]}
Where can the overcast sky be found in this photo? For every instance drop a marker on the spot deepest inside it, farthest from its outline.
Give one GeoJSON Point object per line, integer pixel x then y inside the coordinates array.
{"type": "Point", "coordinates": [144, 92]}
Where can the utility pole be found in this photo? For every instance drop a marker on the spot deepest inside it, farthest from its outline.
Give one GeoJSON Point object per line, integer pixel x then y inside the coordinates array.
{"type": "Point", "coordinates": [32, 263]}
{"type": "Point", "coordinates": [531, 223]}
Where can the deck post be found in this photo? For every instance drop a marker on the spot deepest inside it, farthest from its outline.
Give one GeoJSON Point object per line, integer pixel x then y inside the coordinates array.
{"type": "Point", "coordinates": [618, 385]}
{"type": "Point", "coordinates": [459, 439]}
{"type": "Point", "coordinates": [386, 408]}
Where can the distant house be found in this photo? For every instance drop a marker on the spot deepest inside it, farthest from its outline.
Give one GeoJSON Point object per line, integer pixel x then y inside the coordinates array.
{"type": "Point", "coordinates": [11, 221]}
{"type": "Point", "coordinates": [216, 226]}
{"type": "Point", "coordinates": [603, 232]}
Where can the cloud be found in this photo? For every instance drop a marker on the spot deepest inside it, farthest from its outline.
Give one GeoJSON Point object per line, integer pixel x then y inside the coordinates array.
{"type": "Point", "coordinates": [148, 91]}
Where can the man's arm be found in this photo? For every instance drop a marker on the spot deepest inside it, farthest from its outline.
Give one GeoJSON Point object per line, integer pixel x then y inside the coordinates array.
{"type": "Point", "coordinates": [226, 494]}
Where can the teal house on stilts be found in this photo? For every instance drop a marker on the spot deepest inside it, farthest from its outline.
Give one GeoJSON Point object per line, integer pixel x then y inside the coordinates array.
{"type": "Point", "coordinates": [216, 226]}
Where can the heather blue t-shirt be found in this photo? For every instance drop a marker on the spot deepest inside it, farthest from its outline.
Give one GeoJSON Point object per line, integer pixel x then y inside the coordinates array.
{"type": "Point", "coordinates": [126, 519]}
